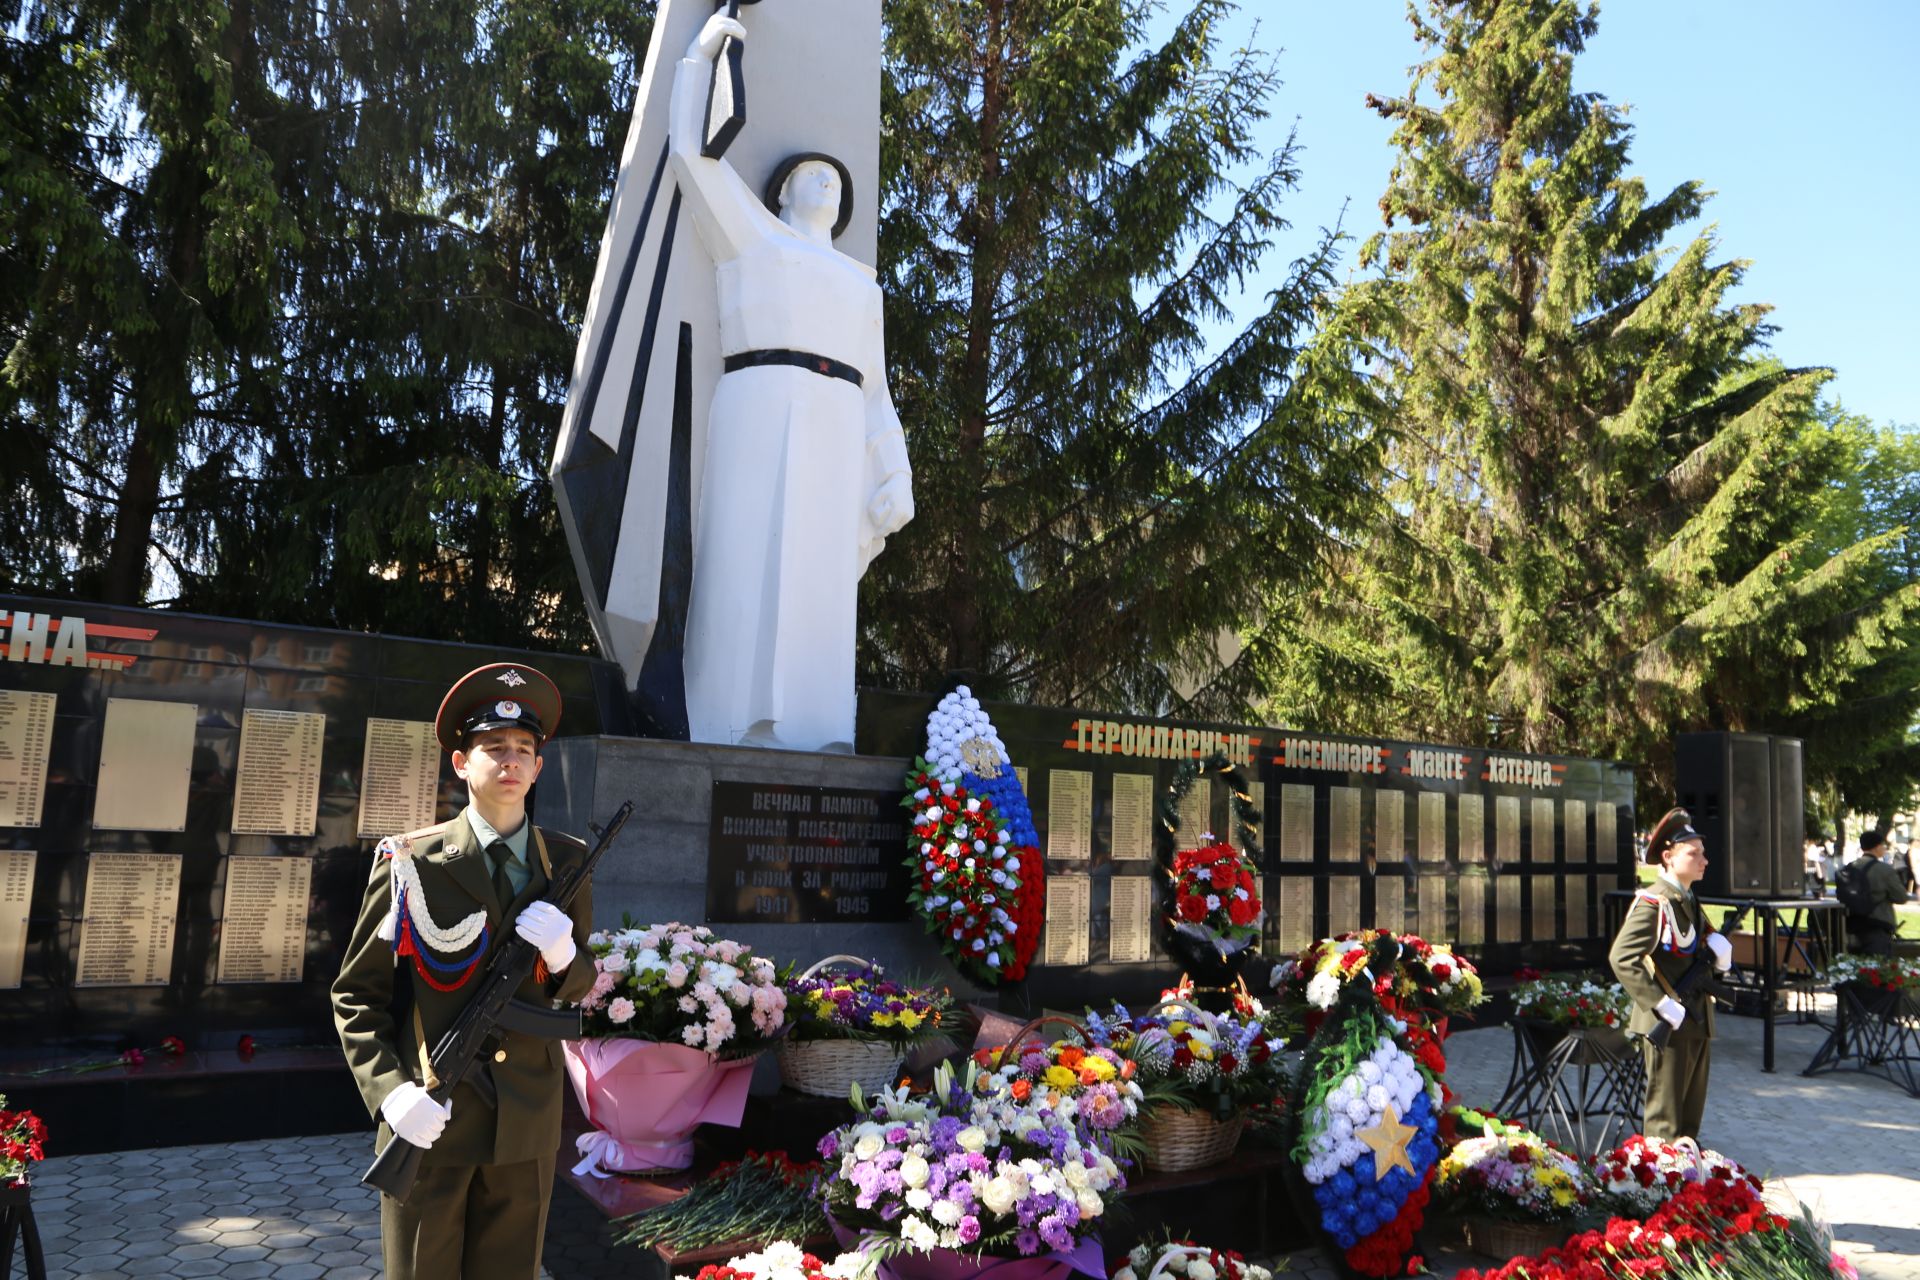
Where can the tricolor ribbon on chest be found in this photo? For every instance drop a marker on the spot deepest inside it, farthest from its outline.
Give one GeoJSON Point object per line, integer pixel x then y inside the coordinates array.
{"type": "Point", "coordinates": [409, 925]}
{"type": "Point", "coordinates": [1670, 936]}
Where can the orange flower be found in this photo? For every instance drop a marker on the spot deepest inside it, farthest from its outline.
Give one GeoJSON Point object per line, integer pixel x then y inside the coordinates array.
{"type": "Point", "coordinates": [1071, 1057]}
{"type": "Point", "coordinates": [1022, 1089]}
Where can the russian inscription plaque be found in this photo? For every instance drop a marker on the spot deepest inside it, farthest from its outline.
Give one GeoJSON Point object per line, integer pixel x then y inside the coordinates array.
{"type": "Point", "coordinates": [784, 854]}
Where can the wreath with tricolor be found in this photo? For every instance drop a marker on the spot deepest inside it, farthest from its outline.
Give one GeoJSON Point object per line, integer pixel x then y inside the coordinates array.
{"type": "Point", "coordinates": [979, 882]}
{"type": "Point", "coordinates": [1366, 1116]}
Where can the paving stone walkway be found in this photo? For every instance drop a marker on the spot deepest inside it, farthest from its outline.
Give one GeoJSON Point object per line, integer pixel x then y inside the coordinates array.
{"type": "Point", "coordinates": [294, 1209]}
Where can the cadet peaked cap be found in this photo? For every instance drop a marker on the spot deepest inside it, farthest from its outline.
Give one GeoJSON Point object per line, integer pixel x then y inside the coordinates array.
{"type": "Point", "coordinates": [502, 695]}
{"type": "Point", "coordinates": [1674, 828]}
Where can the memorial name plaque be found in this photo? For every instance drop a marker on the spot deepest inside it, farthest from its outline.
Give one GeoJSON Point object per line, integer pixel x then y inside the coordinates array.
{"type": "Point", "coordinates": [1546, 925]}
{"type": "Point", "coordinates": [1389, 827]}
{"type": "Point", "coordinates": [785, 854]}
{"type": "Point", "coordinates": [16, 894]}
{"type": "Point", "coordinates": [1295, 913]}
{"type": "Point", "coordinates": [1195, 815]}
{"type": "Point", "coordinates": [1296, 823]}
{"type": "Point", "coordinates": [1579, 926]}
{"type": "Point", "coordinates": [276, 789]}
{"type": "Point", "coordinates": [399, 778]}
{"type": "Point", "coordinates": [1070, 814]}
{"type": "Point", "coordinates": [1506, 832]}
{"type": "Point", "coordinates": [1433, 827]}
{"type": "Point", "coordinates": [126, 929]}
{"type": "Point", "coordinates": [1606, 833]}
{"type": "Point", "coordinates": [1343, 826]}
{"type": "Point", "coordinates": [26, 731]}
{"type": "Point", "coordinates": [1132, 911]}
{"type": "Point", "coordinates": [1576, 811]}
{"type": "Point", "coordinates": [1069, 919]}
{"type": "Point", "coordinates": [263, 929]}
{"type": "Point", "coordinates": [1343, 904]}
{"type": "Point", "coordinates": [1541, 830]}
{"type": "Point", "coordinates": [1506, 908]}
{"type": "Point", "coordinates": [1132, 817]}
{"type": "Point", "coordinates": [1390, 904]}
{"type": "Point", "coordinates": [146, 762]}
{"type": "Point", "coordinates": [1433, 907]}
{"type": "Point", "coordinates": [1473, 827]}
{"type": "Point", "coordinates": [1473, 911]}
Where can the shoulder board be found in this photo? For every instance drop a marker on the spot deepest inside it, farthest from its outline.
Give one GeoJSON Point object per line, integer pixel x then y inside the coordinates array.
{"type": "Point", "coordinates": [395, 844]}
{"type": "Point", "coordinates": [1649, 897]}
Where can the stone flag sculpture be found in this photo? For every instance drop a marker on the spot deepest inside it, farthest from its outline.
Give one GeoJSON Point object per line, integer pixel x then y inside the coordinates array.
{"type": "Point", "coordinates": [730, 459]}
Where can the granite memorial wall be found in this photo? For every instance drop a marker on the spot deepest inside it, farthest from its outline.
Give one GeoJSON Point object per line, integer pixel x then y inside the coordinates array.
{"type": "Point", "coordinates": [188, 806]}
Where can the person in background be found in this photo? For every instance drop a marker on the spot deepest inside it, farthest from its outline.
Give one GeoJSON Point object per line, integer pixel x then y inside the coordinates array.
{"type": "Point", "coordinates": [1869, 889]}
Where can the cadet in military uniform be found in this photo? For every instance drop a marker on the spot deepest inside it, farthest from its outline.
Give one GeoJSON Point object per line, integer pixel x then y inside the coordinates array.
{"type": "Point", "coordinates": [1663, 933]}
{"type": "Point", "coordinates": [438, 903]}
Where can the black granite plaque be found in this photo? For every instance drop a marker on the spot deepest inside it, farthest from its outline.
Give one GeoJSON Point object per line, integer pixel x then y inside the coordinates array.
{"type": "Point", "coordinates": [781, 854]}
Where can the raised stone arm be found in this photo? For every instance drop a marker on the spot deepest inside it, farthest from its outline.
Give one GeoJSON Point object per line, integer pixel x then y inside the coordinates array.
{"type": "Point", "coordinates": [729, 218]}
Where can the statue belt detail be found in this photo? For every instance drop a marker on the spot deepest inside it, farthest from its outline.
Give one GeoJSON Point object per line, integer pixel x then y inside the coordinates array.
{"type": "Point", "coordinates": [824, 365]}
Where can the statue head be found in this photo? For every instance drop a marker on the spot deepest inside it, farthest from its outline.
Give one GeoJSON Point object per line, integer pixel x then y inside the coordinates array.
{"type": "Point", "coordinates": [811, 190]}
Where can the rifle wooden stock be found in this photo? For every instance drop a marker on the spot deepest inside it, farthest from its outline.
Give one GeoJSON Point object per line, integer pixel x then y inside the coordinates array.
{"type": "Point", "coordinates": [491, 1010]}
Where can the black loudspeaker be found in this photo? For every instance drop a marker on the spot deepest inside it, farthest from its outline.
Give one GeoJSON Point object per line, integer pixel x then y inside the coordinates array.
{"type": "Point", "coordinates": [1747, 798]}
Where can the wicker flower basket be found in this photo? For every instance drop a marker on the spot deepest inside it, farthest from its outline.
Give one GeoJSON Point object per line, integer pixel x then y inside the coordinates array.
{"type": "Point", "coordinates": [1498, 1238]}
{"type": "Point", "coordinates": [1177, 1140]}
{"type": "Point", "coordinates": [828, 1068]}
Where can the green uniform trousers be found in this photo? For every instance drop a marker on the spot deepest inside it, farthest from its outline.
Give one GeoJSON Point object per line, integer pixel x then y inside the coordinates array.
{"type": "Point", "coordinates": [469, 1222]}
{"type": "Point", "coordinates": [1676, 1087]}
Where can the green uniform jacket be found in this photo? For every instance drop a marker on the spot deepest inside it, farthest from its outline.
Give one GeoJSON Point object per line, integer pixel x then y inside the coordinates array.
{"type": "Point", "coordinates": [1643, 935]}
{"type": "Point", "coordinates": [383, 1050]}
{"type": "Point", "coordinates": [1887, 886]}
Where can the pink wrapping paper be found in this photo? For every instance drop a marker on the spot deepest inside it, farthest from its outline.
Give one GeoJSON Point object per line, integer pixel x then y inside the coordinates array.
{"type": "Point", "coordinates": [645, 1099]}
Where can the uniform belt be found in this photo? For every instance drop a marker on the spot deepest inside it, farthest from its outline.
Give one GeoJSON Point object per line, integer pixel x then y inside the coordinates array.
{"type": "Point", "coordinates": [824, 365]}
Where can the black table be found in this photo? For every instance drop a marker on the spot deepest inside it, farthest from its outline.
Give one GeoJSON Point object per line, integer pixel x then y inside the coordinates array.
{"type": "Point", "coordinates": [1812, 929]}
{"type": "Point", "coordinates": [1577, 1086]}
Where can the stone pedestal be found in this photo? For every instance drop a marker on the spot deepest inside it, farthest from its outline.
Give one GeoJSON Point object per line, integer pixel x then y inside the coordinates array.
{"type": "Point", "coordinates": [657, 871]}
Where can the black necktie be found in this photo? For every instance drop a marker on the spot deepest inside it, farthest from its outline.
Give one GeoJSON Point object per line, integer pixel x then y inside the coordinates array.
{"type": "Point", "coordinates": [502, 882]}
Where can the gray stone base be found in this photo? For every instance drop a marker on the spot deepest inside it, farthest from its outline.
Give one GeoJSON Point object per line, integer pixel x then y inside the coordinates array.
{"type": "Point", "coordinates": [657, 871]}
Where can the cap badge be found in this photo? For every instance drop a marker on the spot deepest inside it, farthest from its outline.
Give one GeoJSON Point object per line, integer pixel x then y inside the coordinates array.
{"type": "Point", "coordinates": [507, 710]}
{"type": "Point", "coordinates": [512, 679]}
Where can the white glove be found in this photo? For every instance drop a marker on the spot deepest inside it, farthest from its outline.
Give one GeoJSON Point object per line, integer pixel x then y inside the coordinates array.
{"type": "Point", "coordinates": [551, 930]}
{"type": "Point", "coordinates": [1672, 1010]}
{"type": "Point", "coordinates": [1722, 951]}
{"type": "Point", "coordinates": [412, 1114]}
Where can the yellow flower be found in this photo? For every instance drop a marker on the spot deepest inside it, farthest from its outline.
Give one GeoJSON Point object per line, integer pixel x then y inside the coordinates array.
{"type": "Point", "coordinates": [909, 1018]}
{"type": "Point", "coordinates": [1201, 1049]}
{"type": "Point", "coordinates": [1060, 1077]}
{"type": "Point", "coordinates": [883, 1019]}
{"type": "Point", "coordinates": [1176, 1027]}
{"type": "Point", "coordinates": [1100, 1067]}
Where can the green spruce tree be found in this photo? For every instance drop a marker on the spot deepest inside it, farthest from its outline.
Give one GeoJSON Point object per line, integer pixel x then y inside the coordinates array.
{"type": "Point", "coordinates": [1105, 507]}
{"type": "Point", "coordinates": [1598, 530]}
{"type": "Point", "coordinates": [290, 302]}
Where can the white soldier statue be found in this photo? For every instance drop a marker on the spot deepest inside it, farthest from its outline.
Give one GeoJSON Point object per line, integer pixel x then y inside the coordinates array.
{"type": "Point", "coordinates": [759, 441]}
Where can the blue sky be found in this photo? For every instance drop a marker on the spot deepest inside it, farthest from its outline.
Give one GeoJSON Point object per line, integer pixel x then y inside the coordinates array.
{"type": "Point", "coordinates": [1791, 113]}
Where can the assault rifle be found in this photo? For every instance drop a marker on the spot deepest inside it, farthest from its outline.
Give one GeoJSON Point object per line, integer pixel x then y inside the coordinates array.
{"type": "Point", "coordinates": [1698, 977]}
{"type": "Point", "coordinates": [492, 1011]}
